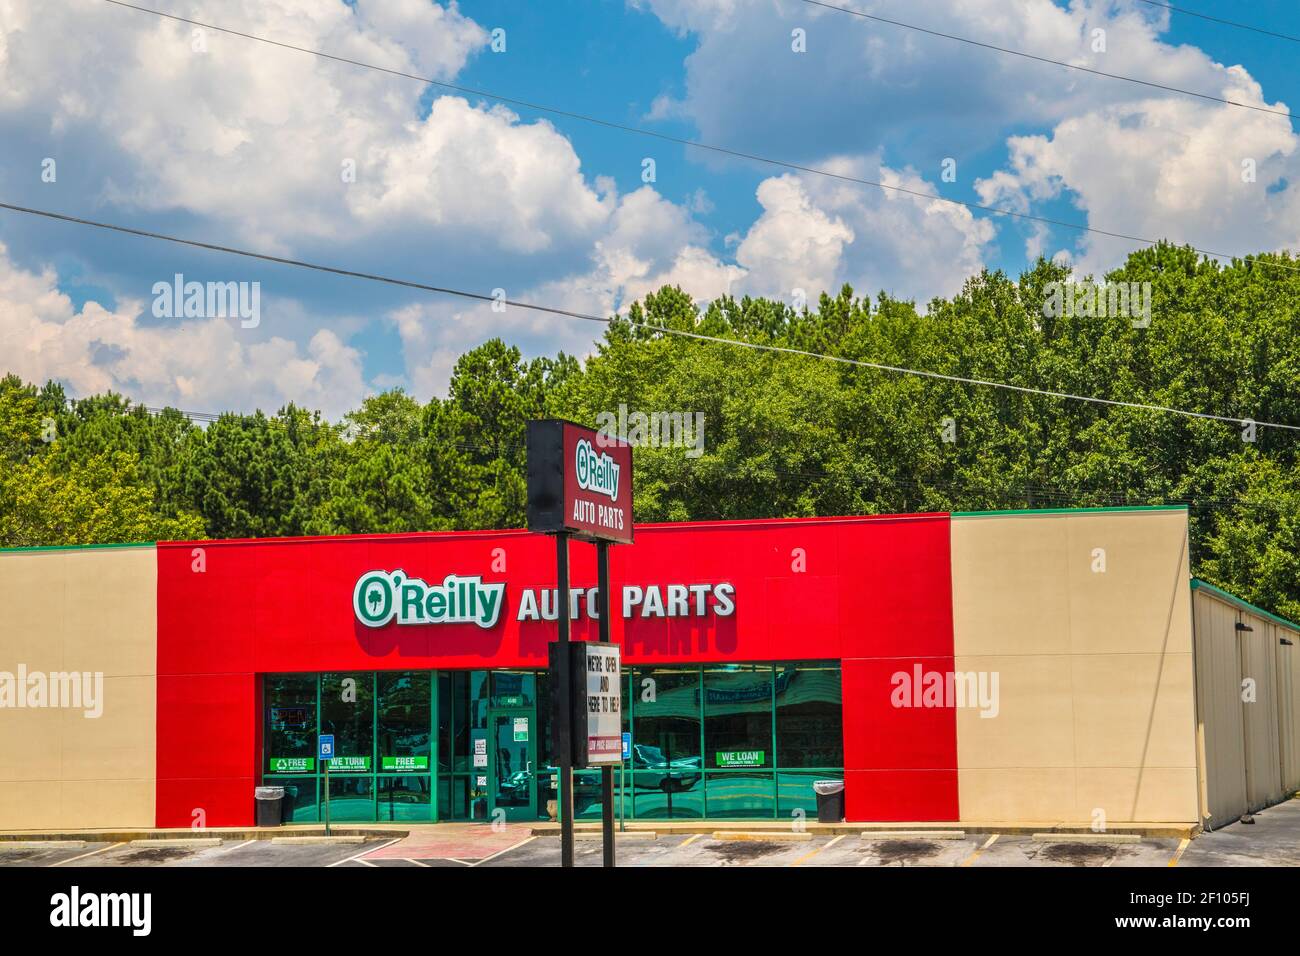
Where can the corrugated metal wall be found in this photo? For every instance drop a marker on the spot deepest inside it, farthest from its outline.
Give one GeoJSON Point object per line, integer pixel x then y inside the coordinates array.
{"type": "Point", "coordinates": [1248, 735]}
{"type": "Point", "coordinates": [1219, 719]}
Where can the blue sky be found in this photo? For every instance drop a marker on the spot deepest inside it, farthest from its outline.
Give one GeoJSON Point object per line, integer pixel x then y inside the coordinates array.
{"type": "Point", "coordinates": [240, 143]}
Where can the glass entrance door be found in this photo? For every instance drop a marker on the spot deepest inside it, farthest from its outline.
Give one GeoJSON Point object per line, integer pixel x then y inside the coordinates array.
{"type": "Point", "coordinates": [512, 783]}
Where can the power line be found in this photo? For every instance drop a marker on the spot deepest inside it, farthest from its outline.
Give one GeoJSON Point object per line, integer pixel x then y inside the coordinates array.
{"type": "Point", "coordinates": [682, 141]}
{"type": "Point", "coordinates": [1044, 59]}
{"type": "Point", "coordinates": [664, 330]}
{"type": "Point", "coordinates": [1228, 23]}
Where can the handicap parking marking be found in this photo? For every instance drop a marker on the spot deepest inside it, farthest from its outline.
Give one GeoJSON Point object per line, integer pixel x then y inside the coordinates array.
{"type": "Point", "coordinates": [503, 852]}
{"type": "Point", "coordinates": [366, 852]}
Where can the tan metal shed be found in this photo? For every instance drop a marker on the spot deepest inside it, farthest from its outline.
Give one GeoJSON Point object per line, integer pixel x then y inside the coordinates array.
{"type": "Point", "coordinates": [1247, 731]}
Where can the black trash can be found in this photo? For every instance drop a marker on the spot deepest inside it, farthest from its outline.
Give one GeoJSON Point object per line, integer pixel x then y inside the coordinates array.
{"type": "Point", "coordinates": [270, 802]}
{"type": "Point", "coordinates": [830, 800]}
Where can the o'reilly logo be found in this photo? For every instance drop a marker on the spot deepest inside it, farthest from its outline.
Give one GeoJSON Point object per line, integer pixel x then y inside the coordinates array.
{"type": "Point", "coordinates": [596, 471]}
{"type": "Point", "coordinates": [383, 596]}
{"type": "Point", "coordinates": [75, 908]}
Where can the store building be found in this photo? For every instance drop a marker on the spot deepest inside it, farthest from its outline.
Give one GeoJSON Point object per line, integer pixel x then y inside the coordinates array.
{"type": "Point", "coordinates": [1026, 667]}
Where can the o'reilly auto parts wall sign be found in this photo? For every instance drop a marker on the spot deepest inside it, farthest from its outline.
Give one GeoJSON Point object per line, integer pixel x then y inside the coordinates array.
{"type": "Point", "coordinates": [579, 481]}
{"type": "Point", "coordinates": [383, 597]}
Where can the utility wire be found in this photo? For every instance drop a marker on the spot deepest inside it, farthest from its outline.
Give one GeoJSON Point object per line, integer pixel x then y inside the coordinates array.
{"type": "Point", "coordinates": [1044, 59]}
{"type": "Point", "coordinates": [1227, 23]}
{"type": "Point", "coordinates": [682, 141]}
{"type": "Point", "coordinates": [664, 330]}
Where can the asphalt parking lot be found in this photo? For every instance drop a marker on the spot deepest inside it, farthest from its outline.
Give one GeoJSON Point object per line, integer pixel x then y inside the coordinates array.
{"type": "Point", "coordinates": [1274, 840]}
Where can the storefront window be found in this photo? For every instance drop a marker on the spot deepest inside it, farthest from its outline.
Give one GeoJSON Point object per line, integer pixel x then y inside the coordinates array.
{"type": "Point", "coordinates": [347, 710]}
{"type": "Point", "coordinates": [404, 798]}
{"type": "Point", "coordinates": [444, 724]}
{"type": "Point", "coordinates": [727, 741]}
{"type": "Point", "coordinates": [459, 722]}
{"type": "Point", "coordinates": [514, 688]}
{"type": "Point", "coordinates": [478, 699]}
{"type": "Point", "coordinates": [299, 799]}
{"type": "Point", "coordinates": [352, 799]}
{"type": "Point", "coordinates": [794, 792]}
{"type": "Point", "coordinates": [403, 721]}
{"type": "Point", "coordinates": [740, 795]}
{"type": "Point", "coordinates": [738, 716]}
{"type": "Point", "coordinates": [667, 719]}
{"type": "Point", "coordinates": [290, 735]}
{"type": "Point", "coordinates": [808, 716]}
{"type": "Point", "coordinates": [667, 794]}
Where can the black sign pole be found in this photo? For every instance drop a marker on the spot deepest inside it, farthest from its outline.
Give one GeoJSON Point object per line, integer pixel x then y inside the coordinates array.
{"type": "Point", "coordinates": [564, 687]}
{"type": "Point", "coordinates": [606, 772]}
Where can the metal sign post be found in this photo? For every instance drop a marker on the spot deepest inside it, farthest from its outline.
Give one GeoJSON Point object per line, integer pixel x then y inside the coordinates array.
{"type": "Point", "coordinates": [325, 754]}
{"type": "Point", "coordinates": [606, 772]}
{"type": "Point", "coordinates": [564, 687]}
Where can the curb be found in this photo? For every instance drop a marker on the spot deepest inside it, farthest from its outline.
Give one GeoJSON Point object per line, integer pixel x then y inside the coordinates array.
{"type": "Point", "coordinates": [763, 836]}
{"type": "Point", "coordinates": [618, 837]}
{"type": "Point", "coordinates": [912, 835]}
{"type": "Point", "coordinates": [1086, 838]}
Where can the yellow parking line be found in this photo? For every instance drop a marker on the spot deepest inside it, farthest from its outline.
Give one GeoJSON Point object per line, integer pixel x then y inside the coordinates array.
{"type": "Point", "coordinates": [1182, 845]}
{"type": "Point", "coordinates": [689, 840]}
{"type": "Point", "coordinates": [812, 853]}
{"type": "Point", "coordinates": [974, 856]}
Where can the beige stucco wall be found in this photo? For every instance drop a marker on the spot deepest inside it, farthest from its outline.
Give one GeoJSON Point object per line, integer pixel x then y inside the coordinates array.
{"type": "Point", "coordinates": [86, 611]}
{"type": "Point", "coordinates": [1096, 679]}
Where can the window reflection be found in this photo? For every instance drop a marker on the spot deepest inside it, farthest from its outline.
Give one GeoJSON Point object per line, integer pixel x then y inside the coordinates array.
{"type": "Point", "coordinates": [738, 716]}
{"type": "Point", "coordinates": [809, 716]}
{"type": "Point", "coordinates": [403, 721]}
{"type": "Point", "coordinates": [290, 736]}
{"type": "Point", "coordinates": [347, 710]}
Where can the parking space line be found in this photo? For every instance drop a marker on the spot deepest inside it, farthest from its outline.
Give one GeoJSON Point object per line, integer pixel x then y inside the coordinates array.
{"type": "Point", "coordinates": [812, 853]}
{"type": "Point", "coordinates": [1182, 845]}
{"type": "Point", "coordinates": [416, 862]}
{"type": "Point", "coordinates": [91, 853]}
{"type": "Point", "coordinates": [499, 852]}
{"type": "Point", "coordinates": [689, 840]}
{"type": "Point", "coordinates": [242, 845]}
{"type": "Point", "coordinates": [975, 856]}
{"type": "Point", "coordinates": [366, 852]}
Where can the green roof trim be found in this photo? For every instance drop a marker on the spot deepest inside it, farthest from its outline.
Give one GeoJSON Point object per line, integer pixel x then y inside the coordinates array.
{"type": "Point", "coordinates": [1067, 511]}
{"type": "Point", "coordinates": [78, 547]}
{"type": "Point", "coordinates": [1199, 585]}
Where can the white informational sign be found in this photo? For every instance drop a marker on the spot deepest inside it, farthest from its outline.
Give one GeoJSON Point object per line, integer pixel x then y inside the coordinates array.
{"type": "Point", "coordinates": [480, 752]}
{"type": "Point", "coordinates": [604, 705]}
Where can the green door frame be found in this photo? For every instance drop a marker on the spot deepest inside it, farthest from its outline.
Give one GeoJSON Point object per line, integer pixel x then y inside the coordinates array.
{"type": "Point", "coordinates": [528, 812]}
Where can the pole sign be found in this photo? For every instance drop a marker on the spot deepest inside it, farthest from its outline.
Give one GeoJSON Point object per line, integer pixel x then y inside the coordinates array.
{"type": "Point", "coordinates": [579, 482]}
{"type": "Point", "coordinates": [326, 748]}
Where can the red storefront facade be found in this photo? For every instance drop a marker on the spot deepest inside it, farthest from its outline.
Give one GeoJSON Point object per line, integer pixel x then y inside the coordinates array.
{"type": "Point", "coordinates": [874, 594]}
